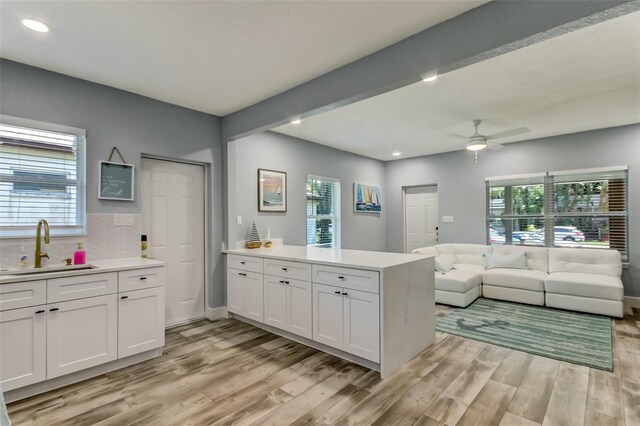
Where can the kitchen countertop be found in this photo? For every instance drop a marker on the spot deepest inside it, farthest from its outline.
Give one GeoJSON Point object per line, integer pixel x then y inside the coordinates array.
{"type": "Point", "coordinates": [101, 266]}
{"type": "Point", "coordinates": [339, 257]}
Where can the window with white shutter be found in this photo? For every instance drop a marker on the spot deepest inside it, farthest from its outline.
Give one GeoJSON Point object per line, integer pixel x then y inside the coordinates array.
{"type": "Point", "coordinates": [42, 169]}
{"type": "Point", "coordinates": [323, 212]}
{"type": "Point", "coordinates": [572, 208]}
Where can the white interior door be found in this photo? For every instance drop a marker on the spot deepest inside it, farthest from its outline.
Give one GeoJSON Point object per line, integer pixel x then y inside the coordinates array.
{"type": "Point", "coordinates": [173, 220]}
{"type": "Point", "coordinates": [421, 217]}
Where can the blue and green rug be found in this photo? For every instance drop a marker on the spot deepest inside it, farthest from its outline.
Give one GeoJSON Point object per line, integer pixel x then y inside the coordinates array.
{"type": "Point", "coordinates": [577, 338]}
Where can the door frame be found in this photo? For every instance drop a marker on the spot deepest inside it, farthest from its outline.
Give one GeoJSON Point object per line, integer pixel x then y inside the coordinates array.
{"type": "Point", "coordinates": [404, 210]}
{"type": "Point", "coordinates": [208, 226]}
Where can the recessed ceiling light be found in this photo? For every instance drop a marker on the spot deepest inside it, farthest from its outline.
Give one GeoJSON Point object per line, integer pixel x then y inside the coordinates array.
{"type": "Point", "coordinates": [36, 26]}
{"type": "Point", "coordinates": [296, 121]}
{"type": "Point", "coordinates": [430, 78]}
{"type": "Point", "coordinates": [396, 154]}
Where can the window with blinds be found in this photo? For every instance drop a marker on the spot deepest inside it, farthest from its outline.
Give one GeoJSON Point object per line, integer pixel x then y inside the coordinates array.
{"type": "Point", "coordinates": [41, 177]}
{"type": "Point", "coordinates": [323, 212]}
{"type": "Point", "coordinates": [573, 208]}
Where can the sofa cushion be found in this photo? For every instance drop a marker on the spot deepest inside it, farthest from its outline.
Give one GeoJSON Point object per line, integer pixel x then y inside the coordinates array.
{"type": "Point", "coordinates": [537, 257]}
{"type": "Point", "coordinates": [426, 251]}
{"type": "Point", "coordinates": [586, 261]}
{"type": "Point", "coordinates": [445, 262]}
{"type": "Point", "coordinates": [585, 285]}
{"type": "Point", "coordinates": [511, 261]}
{"type": "Point", "coordinates": [524, 279]}
{"type": "Point", "coordinates": [478, 269]}
{"type": "Point", "coordinates": [460, 281]}
{"type": "Point", "coordinates": [470, 253]}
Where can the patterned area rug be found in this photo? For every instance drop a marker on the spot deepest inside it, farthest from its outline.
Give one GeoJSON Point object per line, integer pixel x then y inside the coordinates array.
{"type": "Point", "coordinates": [578, 338]}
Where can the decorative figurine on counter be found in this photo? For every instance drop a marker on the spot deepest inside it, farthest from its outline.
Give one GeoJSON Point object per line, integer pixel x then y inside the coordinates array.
{"type": "Point", "coordinates": [254, 239]}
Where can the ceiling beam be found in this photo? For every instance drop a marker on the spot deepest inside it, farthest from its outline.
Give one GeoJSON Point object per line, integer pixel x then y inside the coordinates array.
{"type": "Point", "coordinates": [487, 31]}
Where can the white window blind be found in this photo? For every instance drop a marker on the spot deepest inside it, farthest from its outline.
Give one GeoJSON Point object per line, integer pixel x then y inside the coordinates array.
{"type": "Point", "coordinates": [573, 208]}
{"type": "Point", "coordinates": [323, 212]}
{"type": "Point", "coordinates": [41, 177]}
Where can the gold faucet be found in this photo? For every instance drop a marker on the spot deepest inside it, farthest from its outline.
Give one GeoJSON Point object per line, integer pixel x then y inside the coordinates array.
{"type": "Point", "coordinates": [39, 254]}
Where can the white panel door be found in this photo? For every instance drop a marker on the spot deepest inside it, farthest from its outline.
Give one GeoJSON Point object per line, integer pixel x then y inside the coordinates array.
{"type": "Point", "coordinates": [421, 217]}
{"type": "Point", "coordinates": [327, 315]}
{"type": "Point", "coordinates": [253, 296]}
{"type": "Point", "coordinates": [173, 220]}
{"type": "Point", "coordinates": [140, 321]}
{"type": "Point", "coordinates": [81, 333]}
{"type": "Point", "coordinates": [299, 317]}
{"type": "Point", "coordinates": [235, 291]}
{"type": "Point", "coordinates": [275, 302]}
{"type": "Point", "coordinates": [362, 324]}
{"type": "Point", "coordinates": [23, 347]}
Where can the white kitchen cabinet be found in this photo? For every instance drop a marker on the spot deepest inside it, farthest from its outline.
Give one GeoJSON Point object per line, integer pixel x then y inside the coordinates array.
{"type": "Point", "coordinates": [140, 321]}
{"type": "Point", "coordinates": [328, 315]}
{"type": "Point", "coordinates": [361, 324]}
{"type": "Point", "coordinates": [287, 305]}
{"type": "Point", "coordinates": [81, 333]}
{"type": "Point", "coordinates": [347, 320]}
{"type": "Point", "coordinates": [299, 307]}
{"type": "Point", "coordinates": [23, 347]}
{"type": "Point", "coordinates": [245, 294]}
{"type": "Point", "coordinates": [275, 302]}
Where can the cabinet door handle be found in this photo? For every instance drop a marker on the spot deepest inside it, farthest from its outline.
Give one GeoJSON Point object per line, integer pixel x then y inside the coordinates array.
{"type": "Point", "coordinates": [143, 278]}
{"type": "Point", "coordinates": [242, 262]}
{"type": "Point", "coordinates": [242, 274]}
{"type": "Point", "coordinates": [41, 311]}
{"type": "Point", "coordinates": [281, 281]}
{"type": "Point", "coordinates": [54, 309]}
{"type": "Point", "coordinates": [336, 292]}
{"type": "Point", "coordinates": [284, 269]}
{"type": "Point", "coordinates": [286, 282]}
{"type": "Point", "coordinates": [124, 297]}
{"type": "Point", "coordinates": [341, 278]}
{"type": "Point", "coordinates": [345, 294]}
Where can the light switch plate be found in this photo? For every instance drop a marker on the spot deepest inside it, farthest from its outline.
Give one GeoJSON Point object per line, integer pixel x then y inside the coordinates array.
{"type": "Point", "coordinates": [238, 220]}
{"type": "Point", "coordinates": [123, 220]}
{"type": "Point", "coordinates": [447, 219]}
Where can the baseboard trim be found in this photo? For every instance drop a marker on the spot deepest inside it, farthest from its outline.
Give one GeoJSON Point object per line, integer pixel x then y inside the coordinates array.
{"type": "Point", "coordinates": [213, 314]}
{"type": "Point", "coordinates": [631, 302]}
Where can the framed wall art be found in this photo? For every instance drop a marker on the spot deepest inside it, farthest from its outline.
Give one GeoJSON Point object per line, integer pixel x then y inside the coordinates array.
{"type": "Point", "coordinates": [272, 191]}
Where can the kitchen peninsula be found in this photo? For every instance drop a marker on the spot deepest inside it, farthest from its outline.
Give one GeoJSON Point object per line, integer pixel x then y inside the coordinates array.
{"type": "Point", "coordinates": [373, 308]}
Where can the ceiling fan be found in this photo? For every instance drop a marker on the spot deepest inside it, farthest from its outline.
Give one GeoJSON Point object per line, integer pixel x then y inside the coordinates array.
{"type": "Point", "coordinates": [476, 141]}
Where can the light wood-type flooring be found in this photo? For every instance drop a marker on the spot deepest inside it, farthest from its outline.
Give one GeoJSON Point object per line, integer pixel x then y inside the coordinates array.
{"type": "Point", "coordinates": [227, 372]}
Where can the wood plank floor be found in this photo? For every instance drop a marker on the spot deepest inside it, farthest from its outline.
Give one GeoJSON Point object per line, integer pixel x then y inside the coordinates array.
{"type": "Point", "coordinates": [227, 372]}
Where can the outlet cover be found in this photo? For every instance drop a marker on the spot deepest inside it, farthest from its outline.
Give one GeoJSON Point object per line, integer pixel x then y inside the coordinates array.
{"type": "Point", "coordinates": [238, 220]}
{"type": "Point", "coordinates": [447, 219]}
{"type": "Point", "coordinates": [123, 220]}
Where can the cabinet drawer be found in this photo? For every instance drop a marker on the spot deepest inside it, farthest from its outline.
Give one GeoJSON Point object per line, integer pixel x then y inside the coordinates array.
{"type": "Point", "coordinates": [139, 279]}
{"type": "Point", "coordinates": [285, 269]}
{"type": "Point", "coordinates": [355, 279]}
{"type": "Point", "coordinates": [245, 263]}
{"type": "Point", "coordinates": [22, 295]}
{"type": "Point", "coordinates": [71, 288]}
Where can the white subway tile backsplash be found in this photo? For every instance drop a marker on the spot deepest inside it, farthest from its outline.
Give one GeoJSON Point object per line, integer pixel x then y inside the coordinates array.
{"type": "Point", "coordinates": [104, 240]}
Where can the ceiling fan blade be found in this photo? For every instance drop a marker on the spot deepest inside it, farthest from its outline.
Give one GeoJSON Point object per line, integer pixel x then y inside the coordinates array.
{"type": "Point", "coordinates": [459, 136]}
{"type": "Point", "coordinates": [512, 132]}
{"type": "Point", "coordinates": [494, 146]}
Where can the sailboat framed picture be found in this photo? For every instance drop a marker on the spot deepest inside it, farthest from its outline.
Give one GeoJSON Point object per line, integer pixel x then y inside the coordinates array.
{"type": "Point", "coordinates": [272, 191]}
{"type": "Point", "coordinates": [367, 198]}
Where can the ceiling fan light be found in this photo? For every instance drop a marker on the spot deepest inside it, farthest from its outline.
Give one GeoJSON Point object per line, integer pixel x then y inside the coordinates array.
{"type": "Point", "coordinates": [476, 145]}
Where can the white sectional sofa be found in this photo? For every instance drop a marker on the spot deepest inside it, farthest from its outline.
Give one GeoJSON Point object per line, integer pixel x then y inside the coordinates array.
{"type": "Point", "coordinates": [586, 280]}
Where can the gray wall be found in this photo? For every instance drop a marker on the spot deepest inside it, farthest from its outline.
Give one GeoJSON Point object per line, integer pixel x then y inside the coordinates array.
{"type": "Point", "coordinates": [461, 191]}
{"type": "Point", "coordinates": [299, 158]}
{"type": "Point", "coordinates": [133, 123]}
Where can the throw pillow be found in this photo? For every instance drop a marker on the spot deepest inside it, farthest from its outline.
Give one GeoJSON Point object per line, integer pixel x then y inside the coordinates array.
{"type": "Point", "coordinates": [444, 262]}
{"type": "Point", "coordinates": [513, 261]}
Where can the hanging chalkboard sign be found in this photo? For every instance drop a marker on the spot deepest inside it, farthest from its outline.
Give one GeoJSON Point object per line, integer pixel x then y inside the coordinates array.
{"type": "Point", "coordinates": [116, 181]}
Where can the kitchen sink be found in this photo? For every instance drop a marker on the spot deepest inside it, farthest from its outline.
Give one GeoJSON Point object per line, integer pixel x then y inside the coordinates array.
{"type": "Point", "coordinates": [46, 270]}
